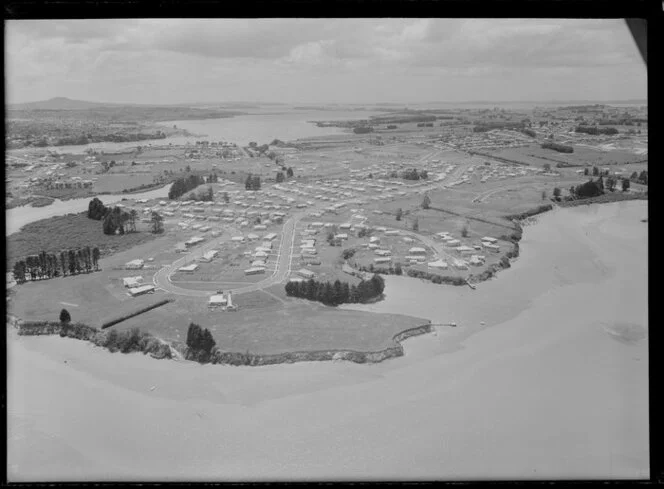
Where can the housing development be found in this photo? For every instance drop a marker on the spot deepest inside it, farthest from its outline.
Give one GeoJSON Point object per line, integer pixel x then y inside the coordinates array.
{"type": "Point", "coordinates": [152, 247]}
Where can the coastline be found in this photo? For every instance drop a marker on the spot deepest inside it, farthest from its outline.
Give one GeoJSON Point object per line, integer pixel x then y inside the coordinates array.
{"type": "Point", "coordinates": [98, 337]}
{"type": "Point", "coordinates": [566, 389]}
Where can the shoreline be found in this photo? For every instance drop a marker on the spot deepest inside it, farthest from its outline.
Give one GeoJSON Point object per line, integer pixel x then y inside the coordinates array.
{"type": "Point", "coordinates": [177, 350]}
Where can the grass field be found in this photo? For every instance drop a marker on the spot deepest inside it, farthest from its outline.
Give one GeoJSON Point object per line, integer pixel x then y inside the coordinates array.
{"type": "Point", "coordinates": [71, 231]}
{"type": "Point", "coordinates": [293, 325]}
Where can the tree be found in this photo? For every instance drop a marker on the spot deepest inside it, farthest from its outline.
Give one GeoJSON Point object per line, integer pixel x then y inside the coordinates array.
{"type": "Point", "coordinates": [586, 172]}
{"type": "Point", "coordinates": [464, 231]}
{"type": "Point", "coordinates": [572, 191]}
{"type": "Point", "coordinates": [611, 184]}
{"type": "Point", "coordinates": [547, 166]}
{"type": "Point", "coordinates": [71, 255]}
{"type": "Point", "coordinates": [280, 177]}
{"type": "Point", "coordinates": [600, 183]}
{"type": "Point", "coordinates": [643, 177]}
{"type": "Point", "coordinates": [95, 257]}
{"type": "Point", "coordinates": [157, 223]}
{"type": "Point", "coordinates": [63, 263]}
{"type": "Point", "coordinates": [226, 197]}
{"type": "Point", "coordinates": [65, 317]}
{"type": "Point", "coordinates": [634, 176]}
{"type": "Point", "coordinates": [416, 225]}
{"type": "Point", "coordinates": [255, 182]}
{"type": "Point", "coordinates": [289, 172]}
{"type": "Point", "coordinates": [210, 194]}
{"type": "Point", "coordinates": [133, 214]}
{"type": "Point", "coordinates": [625, 185]}
{"type": "Point", "coordinates": [556, 193]}
{"type": "Point", "coordinates": [426, 201]}
{"type": "Point", "coordinates": [543, 194]}
{"type": "Point", "coordinates": [399, 214]}
{"type": "Point", "coordinates": [19, 271]}
{"type": "Point", "coordinates": [595, 171]}
{"type": "Point", "coordinates": [397, 269]}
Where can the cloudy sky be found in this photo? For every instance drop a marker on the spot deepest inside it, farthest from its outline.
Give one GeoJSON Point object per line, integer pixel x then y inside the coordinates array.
{"type": "Point", "coordinates": [322, 60]}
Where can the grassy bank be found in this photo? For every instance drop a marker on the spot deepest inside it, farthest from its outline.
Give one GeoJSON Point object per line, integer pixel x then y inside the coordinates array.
{"type": "Point", "coordinates": [66, 232]}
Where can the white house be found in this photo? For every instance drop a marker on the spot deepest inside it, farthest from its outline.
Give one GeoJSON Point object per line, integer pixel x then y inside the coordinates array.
{"type": "Point", "coordinates": [217, 300]}
{"type": "Point", "coordinates": [237, 239]}
{"type": "Point", "coordinates": [208, 256]}
{"type": "Point", "coordinates": [269, 237]}
{"type": "Point", "coordinates": [307, 274]}
{"type": "Point", "coordinates": [490, 239]}
{"type": "Point", "coordinates": [132, 282]}
{"type": "Point", "coordinates": [416, 250]}
{"type": "Point", "coordinates": [254, 270]}
{"type": "Point", "coordinates": [374, 239]}
{"type": "Point", "coordinates": [383, 259]}
{"type": "Point", "coordinates": [252, 237]}
{"type": "Point", "coordinates": [490, 246]}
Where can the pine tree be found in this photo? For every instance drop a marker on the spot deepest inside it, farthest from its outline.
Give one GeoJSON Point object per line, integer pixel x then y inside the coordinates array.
{"type": "Point", "coordinates": [72, 262]}
{"type": "Point", "coordinates": [63, 263]}
{"type": "Point", "coordinates": [95, 257]}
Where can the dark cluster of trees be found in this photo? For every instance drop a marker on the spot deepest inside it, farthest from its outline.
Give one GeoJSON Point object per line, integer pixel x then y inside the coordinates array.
{"type": "Point", "coordinates": [114, 218]}
{"type": "Point", "coordinates": [392, 126]}
{"type": "Point", "coordinates": [183, 185]}
{"type": "Point", "coordinates": [333, 294]}
{"type": "Point", "coordinates": [595, 131]}
{"type": "Point", "coordinates": [561, 148]}
{"type": "Point", "coordinates": [529, 132]}
{"type": "Point", "coordinates": [363, 129]}
{"type": "Point", "coordinates": [413, 174]}
{"type": "Point", "coordinates": [200, 342]}
{"type": "Point", "coordinates": [592, 188]}
{"type": "Point", "coordinates": [51, 265]}
{"type": "Point", "coordinates": [641, 178]}
{"type": "Point", "coordinates": [253, 182]}
{"type": "Point", "coordinates": [425, 124]}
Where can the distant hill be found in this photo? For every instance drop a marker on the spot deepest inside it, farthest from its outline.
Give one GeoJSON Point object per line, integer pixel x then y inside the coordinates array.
{"type": "Point", "coordinates": [60, 103]}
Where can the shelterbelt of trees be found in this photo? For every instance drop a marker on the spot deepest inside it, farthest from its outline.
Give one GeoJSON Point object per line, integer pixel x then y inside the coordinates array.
{"type": "Point", "coordinates": [337, 292]}
{"type": "Point", "coordinates": [594, 131]}
{"type": "Point", "coordinates": [49, 265]}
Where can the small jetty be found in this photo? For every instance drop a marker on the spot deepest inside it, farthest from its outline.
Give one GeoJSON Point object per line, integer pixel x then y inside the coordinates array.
{"type": "Point", "coordinates": [472, 286]}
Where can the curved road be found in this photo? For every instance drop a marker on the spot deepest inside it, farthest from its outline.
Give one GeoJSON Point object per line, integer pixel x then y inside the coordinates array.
{"type": "Point", "coordinates": [162, 279]}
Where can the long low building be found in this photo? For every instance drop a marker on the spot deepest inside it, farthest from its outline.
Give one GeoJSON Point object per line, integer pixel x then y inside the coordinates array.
{"type": "Point", "coordinates": [134, 265]}
{"type": "Point", "coordinates": [189, 268]}
{"type": "Point", "coordinates": [254, 270]}
{"type": "Point", "coordinates": [143, 289]}
{"type": "Point", "coordinates": [132, 282]}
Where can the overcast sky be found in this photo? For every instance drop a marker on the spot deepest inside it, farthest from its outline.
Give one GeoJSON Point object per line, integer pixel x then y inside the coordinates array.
{"type": "Point", "coordinates": [326, 60]}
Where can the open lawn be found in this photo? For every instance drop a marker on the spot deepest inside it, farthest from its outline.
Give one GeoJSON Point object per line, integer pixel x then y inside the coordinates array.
{"type": "Point", "coordinates": [293, 325]}
{"type": "Point", "coordinates": [71, 231]}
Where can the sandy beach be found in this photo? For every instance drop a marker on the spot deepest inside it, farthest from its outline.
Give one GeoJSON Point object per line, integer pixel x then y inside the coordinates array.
{"type": "Point", "coordinates": [554, 385]}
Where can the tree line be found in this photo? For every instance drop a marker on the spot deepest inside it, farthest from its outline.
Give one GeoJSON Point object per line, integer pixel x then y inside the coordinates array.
{"type": "Point", "coordinates": [51, 265]}
{"type": "Point", "coordinates": [561, 148]}
{"type": "Point", "coordinates": [595, 131]}
{"type": "Point", "coordinates": [183, 185]}
{"type": "Point", "coordinates": [411, 174]}
{"type": "Point", "coordinates": [337, 292]}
